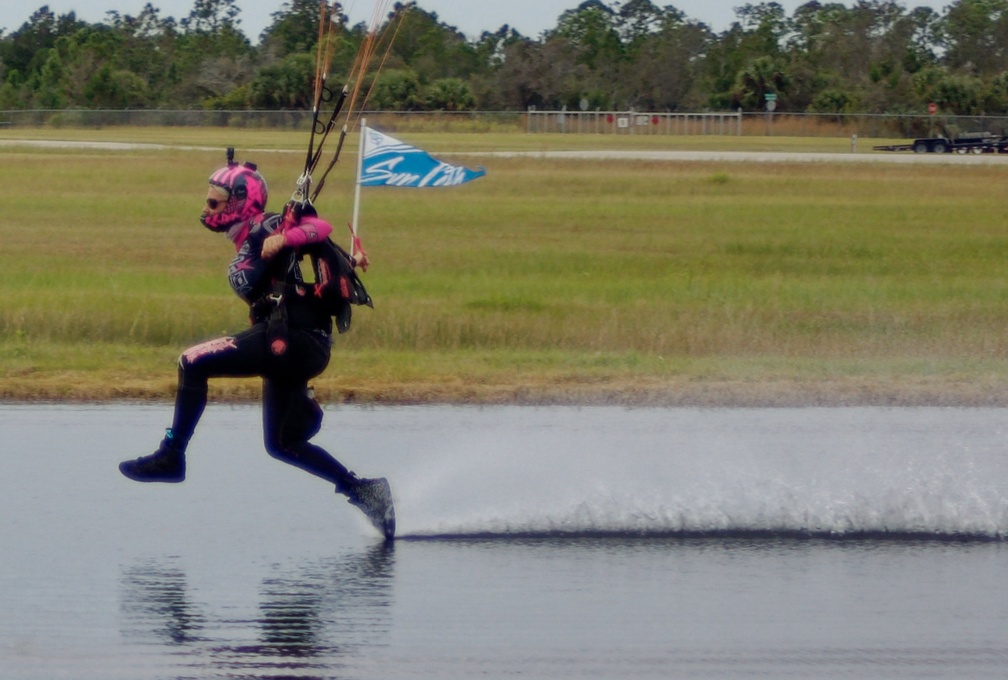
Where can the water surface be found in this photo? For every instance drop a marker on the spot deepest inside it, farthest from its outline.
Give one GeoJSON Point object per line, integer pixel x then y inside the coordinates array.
{"type": "Point", "coordinates": [541, 542]}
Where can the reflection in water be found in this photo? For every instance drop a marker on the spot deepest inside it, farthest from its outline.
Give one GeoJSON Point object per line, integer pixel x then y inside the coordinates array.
{"type": "Point", "coordinates": [157, 595]}
{"type": "Point", "coordinates": [309, 618]}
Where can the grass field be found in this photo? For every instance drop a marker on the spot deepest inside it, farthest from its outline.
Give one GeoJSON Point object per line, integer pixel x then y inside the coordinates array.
{"type": "Point", "coordinates": [547, 281]}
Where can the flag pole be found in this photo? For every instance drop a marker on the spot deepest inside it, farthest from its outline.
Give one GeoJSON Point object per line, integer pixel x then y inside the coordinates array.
{"type": "Point", "coordinates": [357, 188]}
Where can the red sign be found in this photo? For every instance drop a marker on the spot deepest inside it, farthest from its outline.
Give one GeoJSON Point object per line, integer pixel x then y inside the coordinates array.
{"type": "Point", "coordinates": [932, 108]}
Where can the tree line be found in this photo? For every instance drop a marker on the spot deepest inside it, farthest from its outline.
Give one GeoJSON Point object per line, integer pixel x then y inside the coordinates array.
{"type": "Point", "coordinates": [877, 56]}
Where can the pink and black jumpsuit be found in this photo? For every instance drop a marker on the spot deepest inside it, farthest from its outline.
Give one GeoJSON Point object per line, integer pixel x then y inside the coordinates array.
{"type": "Point", "coordinates": [290, 415]}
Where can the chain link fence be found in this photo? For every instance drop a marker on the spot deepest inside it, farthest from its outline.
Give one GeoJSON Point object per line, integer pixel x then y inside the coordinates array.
{"type": "Point", "coordinates": [482, 121]}
{"type": "Point", "coordinates": [886, 126]}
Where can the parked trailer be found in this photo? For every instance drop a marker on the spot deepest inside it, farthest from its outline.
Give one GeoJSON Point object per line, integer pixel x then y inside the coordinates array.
{"type": "Point", "coordinates": [970, 142]}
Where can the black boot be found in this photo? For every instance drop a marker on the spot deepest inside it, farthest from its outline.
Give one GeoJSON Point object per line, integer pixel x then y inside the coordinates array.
{"type": "Point", "coordinates": [374, 498]}
{"type": "Point", "coordinates": [167, 464]}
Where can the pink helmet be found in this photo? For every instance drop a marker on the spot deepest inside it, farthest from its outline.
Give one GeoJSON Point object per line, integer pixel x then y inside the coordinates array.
{"type": "Point", "coordinates": [247, 194]}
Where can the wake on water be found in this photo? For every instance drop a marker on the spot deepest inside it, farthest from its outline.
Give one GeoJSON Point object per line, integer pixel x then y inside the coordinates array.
{"type": "Point", "coordinates": [923, 473]}
{"type": "Point", "coordinates": [843, 473]}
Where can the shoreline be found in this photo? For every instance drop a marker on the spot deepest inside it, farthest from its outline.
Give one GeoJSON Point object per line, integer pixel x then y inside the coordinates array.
{"type": "Point", "coordinates": [645, 393]}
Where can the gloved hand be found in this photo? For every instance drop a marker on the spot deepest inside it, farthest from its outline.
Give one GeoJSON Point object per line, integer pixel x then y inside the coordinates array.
{"type": "Point", "coordinates": [272, 245]}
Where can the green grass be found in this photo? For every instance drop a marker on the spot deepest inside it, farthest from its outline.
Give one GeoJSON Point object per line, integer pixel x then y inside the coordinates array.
{"type": "Point", "coordinates": [635, 282]}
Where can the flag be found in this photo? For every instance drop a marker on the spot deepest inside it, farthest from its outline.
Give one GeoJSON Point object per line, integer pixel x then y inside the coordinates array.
{"type": "Point", "coordinates": [387, 162]}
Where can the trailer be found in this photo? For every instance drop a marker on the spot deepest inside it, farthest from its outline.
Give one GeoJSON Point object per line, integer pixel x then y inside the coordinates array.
{"type": "Point", "coordinates": [968, 142]}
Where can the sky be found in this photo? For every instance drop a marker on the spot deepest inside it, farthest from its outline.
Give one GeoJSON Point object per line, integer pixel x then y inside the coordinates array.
{"type": "Point", "coordinates": [472, 17]}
